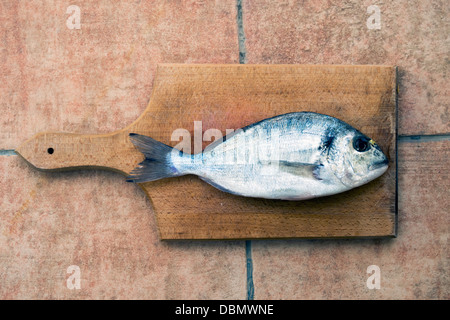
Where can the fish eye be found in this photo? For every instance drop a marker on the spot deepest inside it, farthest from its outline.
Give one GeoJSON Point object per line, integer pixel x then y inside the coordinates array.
{"type": "Point", "coordinates": [361, 144]}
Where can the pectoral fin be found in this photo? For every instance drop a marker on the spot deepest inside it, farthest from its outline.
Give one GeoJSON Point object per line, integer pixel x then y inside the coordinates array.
{"type": "Point", "coordinates": [311, 170]}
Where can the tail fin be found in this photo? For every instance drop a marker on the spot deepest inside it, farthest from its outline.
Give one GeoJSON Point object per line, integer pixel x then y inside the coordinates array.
{"type": "Point", "coordinates": [157, 163]}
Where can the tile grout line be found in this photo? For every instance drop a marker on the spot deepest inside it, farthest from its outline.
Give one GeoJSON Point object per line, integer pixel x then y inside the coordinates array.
{"type": "Point", "coordinates": [424, 137]}
{"type": "Point", "coordinates": [241, 34]}
{"type": "Point", "coordinates": [249, 265]}
{"type": "Point", "coordinates": [396, 144]}
{"type": "Point", "coordinates": [8, 152]}
{"type": "Point", "coordinates": [243, 60]}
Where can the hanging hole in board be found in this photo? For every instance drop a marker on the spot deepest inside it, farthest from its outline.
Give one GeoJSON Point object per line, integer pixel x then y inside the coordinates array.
{"type": "Point", "coordinates": [50, 150]}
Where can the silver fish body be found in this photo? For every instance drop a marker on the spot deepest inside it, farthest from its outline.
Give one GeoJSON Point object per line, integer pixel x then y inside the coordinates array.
{"type": "Point", "coordinates": [294, 156]}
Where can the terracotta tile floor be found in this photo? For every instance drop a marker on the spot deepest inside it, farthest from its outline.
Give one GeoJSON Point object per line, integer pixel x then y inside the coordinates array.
{"type": "Point", "coordinates": [99, 78]}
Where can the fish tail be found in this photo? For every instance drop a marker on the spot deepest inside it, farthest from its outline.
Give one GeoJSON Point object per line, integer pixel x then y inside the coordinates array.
{"type": "Point", "coordinates": [157, 164]}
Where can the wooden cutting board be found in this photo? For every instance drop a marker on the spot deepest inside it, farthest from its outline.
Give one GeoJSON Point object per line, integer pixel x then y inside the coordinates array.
{"type": "Point", "coordinates": [230, 97]}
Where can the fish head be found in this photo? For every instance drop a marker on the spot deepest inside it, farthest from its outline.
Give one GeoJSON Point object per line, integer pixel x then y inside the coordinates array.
{"type": "Point", "coordinates": [357, 159]}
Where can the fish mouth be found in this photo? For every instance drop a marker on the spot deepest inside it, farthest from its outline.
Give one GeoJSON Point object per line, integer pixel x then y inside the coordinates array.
{"type": "Point", "coordinates": [379, 164]}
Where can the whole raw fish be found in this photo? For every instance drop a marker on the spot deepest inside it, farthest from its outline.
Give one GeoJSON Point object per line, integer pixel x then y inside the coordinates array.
{"type": "Point", "coordinates": [293, 156]}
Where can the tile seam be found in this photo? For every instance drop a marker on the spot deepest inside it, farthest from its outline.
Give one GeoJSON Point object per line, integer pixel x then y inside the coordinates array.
{"type": "Point", "coordinates": [7, 152]}
{"type": "Point", "coordinates": [424, 137]}
{"type": "Point", "coordinates": [241, 34]}
{"type": "Point", "coordinates": [249, 267]}
{"type": "Point", "coordinates": [243, 60]}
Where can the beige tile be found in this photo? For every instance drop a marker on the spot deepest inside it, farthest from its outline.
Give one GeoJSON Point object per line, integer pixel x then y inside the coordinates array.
{"type": "Point", "coordinates": [413, 36]}
{"type": "Point", "coordinates": [97, 221]}
{"type": "Point", "coordinates": [98, 78]}
{"type": "Point", "coordinates": [414, 265]}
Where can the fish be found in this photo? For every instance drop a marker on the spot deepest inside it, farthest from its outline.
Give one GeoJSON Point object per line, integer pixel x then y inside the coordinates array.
{"type": "Point", "coordinates": [293, 156]}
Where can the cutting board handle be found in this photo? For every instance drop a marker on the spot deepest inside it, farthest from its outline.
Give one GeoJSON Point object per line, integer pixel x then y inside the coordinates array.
{"type": "Point", "coordinates": [65, 151]}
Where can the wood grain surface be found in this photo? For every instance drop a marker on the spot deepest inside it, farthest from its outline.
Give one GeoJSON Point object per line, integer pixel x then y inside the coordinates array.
{"type": "Point", "coordinates": [230, 97]}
